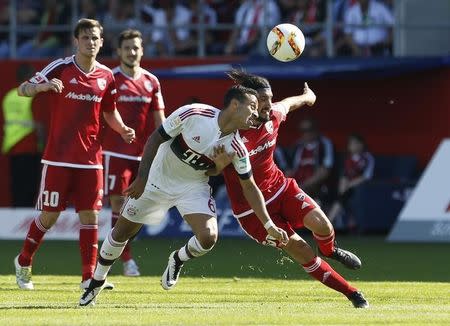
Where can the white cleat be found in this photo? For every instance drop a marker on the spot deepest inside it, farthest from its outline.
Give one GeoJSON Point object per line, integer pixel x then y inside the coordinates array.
{"type": "Point", "coordinates": [23, 275]}
{"type": "Point", "coordinates": [130, 268]}
{"type": "Point", "coordinates": [85, 285]}
{"type": "Point", "coordinates": [88, 297]}
{"type": "Point", "coordinates": [172, 272]}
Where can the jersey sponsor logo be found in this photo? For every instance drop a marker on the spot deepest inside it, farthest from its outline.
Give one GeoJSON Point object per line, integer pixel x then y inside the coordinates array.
{"type": "Point", "coordinates": [83, 97]}
{"type": "Point", "coordinates": [261, 148]}
{"type": "Point", "coordinates": [129, 98]}
{"type": "Point", "coordinates": [187, 155]}
{"type": "Point", "coordinates": [73, 81]}
{"type": "Point", "coordinates": [101, 82]}
{"type": "Point", "coordinates": [196, 139]}
{"type": "Point", "coordinates": [148, 85]}
{"type": "Point", "coordinates": [269, 127]}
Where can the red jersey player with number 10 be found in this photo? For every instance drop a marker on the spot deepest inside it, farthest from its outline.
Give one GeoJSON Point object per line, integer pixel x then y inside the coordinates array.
{"type": "Point", "coordinates": [141, 105]}
{"type": "Point", "coordinates": [289, 207]}
{"type": "Point", "coordinates": [80, 90]}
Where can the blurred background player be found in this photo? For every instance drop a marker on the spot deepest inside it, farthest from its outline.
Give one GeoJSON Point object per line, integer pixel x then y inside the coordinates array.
{"type": "Point", "coordinates": [289, 206]}
{"type": "Point", "coordinates": [141, 105]}
{"type": "Point", "coordinates": [358, 168]}
{"type": "Point", "coordinates": [313, 163]}
{"type": "Point", "coordinates": [174, 172]}
{"type": "Point", "coordinates": [81, 90]}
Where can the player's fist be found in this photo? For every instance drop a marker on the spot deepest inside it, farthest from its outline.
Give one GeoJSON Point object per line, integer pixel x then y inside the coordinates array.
{"type": "Point", "coordinates": [128, 135]}
{"type": "Point", "coordinates": [136, 188]}
{"type": "Point", "coordinates": [221, 157]}
{"type": "Point", "coordinates": [310, 97]}
{"type": "Point", "coordinates": [278, 234]}
{"type": "Point", "coordinates": [54, 85]}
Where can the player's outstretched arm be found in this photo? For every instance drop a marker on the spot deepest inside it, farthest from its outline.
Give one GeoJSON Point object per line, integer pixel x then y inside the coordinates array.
{"type": "Point", "coordinates": [30, 89]}
{"type": "Point", "coordinates": [295, 102]}
{"type": "Point", "coordinates": [256, 201]}
{"type": "Point", "coordinates": [221, 159]}
{"type": "Point", "coordinates": [114, 120]}
{"type": "Point", "coordinates": [137, 187]}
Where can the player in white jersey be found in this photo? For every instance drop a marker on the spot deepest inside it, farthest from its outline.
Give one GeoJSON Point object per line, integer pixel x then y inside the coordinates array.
{"type": "Point", "coordinates": [174, 170]}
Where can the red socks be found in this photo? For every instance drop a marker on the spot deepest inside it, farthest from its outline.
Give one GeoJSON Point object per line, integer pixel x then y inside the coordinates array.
{"type": "Point", "coordinates": [32, 242]}
{"type": "Point", "coordinates": [321, 271]}
{"type": "Point", "coordinates": [325, 243]}
{"type": "Point", "coordinates": [126, 253]}
{"type": "Point", "coordinates": [88, 249]}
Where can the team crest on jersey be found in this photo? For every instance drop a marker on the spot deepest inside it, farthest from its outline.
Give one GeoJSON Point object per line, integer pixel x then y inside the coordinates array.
{"type": "Point", "coordinates": [148, 85]}
{"type": "Point", "coordinates": [269, 127]}
{"type": "Point", "coordinates": [101, 82]}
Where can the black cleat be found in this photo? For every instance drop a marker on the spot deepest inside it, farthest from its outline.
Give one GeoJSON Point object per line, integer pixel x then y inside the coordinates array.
{"type": "Point", "coordinates": [346, 258]}
{"type": "Point", "coordinates": [358, 300]}
{"type": "Point", "coordinates": [89, 296]}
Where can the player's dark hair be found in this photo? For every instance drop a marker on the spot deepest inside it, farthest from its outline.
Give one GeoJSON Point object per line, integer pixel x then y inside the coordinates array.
{"type": "Point", "coordinates": [241, 77]}
{"type": "Point", "coordinates": [86, 24]}
{"type": "Point", "coordinates": [359, 138]}
{"type": "Point", "coordinates": [239, 93]}
{"type": "Point", "coordinates": [129, 34]}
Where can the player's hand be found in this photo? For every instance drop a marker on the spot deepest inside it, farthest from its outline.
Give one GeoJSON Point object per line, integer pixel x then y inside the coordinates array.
{"type": "Point", "coordinates": [135, 189]}
{"type": "Point", "coordinates": [310, 97]}
{"type": "Point", "coordinates": [221, 157]}
{"type": "Point", "coordinates": [128, 135]}
{"type": "Point", "coordinates": [54, 85]}
{"type": "Point", "coordinates": [278, 234]}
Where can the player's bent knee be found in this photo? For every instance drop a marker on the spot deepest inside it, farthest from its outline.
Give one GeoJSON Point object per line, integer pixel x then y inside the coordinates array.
{"type": "Point", "coordinates": [208, 240]}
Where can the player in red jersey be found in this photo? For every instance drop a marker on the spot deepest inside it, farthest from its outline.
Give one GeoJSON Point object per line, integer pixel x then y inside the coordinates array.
{"type": "Point", "coordinates": [358, 168]}
{"type": "Point", "coordinates": [289, 207]}
{"type": "Point", "coordinates": [141, 105]}
{"type": "Point", "coordinates": [81, 89]}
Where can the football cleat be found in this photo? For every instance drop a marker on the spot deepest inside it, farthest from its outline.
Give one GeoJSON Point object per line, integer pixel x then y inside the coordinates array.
{"type": "Point", "coordinates": [93, 290]}
{"type": "Point", "coordinates": [130, 268]}
{"type": "Point", "coordinates": [346, 258]}
{"type": "Point", "coordinates": [85, 285]}
{"type": "Point", "coordinates": [23, 275]}
{"type": "Point", "coordinates": [172, 272]}
{"type": "Point", "coordinates": [358, 300]}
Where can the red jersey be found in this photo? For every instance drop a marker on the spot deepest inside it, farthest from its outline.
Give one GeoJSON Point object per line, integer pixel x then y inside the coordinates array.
{"type": "Point", "coordinates": [310, 156]}
{"type": "Point", "coordinates": [260, 143]}
{"type": "Point", "coordinates": [73, 139]}
{"type": "Point", "coordinates": [137, 98]}
{"type": "Point", "coordinates": [358, 165]}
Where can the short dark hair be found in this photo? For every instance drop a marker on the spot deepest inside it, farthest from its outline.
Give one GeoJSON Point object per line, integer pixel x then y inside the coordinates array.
{"type": "Point", "coordinates": [241, 77]}
{"type": "Point", "coordinates": [239, 93]}
{"type": "Point", "coordinates": [84, 24]}
{"type": "Point", "coordinates": [359, 138]}
{"type": "Point", "coordinates": [128, 34]}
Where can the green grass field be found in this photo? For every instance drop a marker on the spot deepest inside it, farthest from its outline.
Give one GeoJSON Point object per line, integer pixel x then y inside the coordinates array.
{"type": "Point", "coordinates": [240, 282]}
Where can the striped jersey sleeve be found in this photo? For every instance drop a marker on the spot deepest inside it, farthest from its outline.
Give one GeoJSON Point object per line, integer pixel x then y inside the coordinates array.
{"type": "Point", "coordinates": [241, 160]}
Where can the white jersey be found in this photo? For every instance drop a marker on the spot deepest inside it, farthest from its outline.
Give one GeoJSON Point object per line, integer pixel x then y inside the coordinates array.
{"type": "Point", "coordinates": [181, 162]}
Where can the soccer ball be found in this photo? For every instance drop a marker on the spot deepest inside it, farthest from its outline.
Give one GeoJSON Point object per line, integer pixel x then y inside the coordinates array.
{"type": "Point", "coordinates": [285, 42]}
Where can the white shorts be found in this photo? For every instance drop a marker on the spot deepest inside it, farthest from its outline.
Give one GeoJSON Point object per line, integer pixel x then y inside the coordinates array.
{"type": "Point", "coordinates": [152, 206]}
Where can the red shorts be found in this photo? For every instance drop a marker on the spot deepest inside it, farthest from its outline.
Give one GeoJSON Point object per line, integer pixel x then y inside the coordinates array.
{"type": "Point", "coordinates": [287, 211]}
{"type": "Point", "coordinates": [119, 173]}
{"type": "Point", "coordinates": [63, 185]}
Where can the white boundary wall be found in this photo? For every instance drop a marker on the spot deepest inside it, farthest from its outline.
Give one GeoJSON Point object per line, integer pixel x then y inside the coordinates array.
{"type": "Point", "coordinates": [426, 215]}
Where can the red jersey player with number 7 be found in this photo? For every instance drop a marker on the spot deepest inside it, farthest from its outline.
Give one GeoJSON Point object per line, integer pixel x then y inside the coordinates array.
{"type": "Point", "coordinates": [289, 207]}
{"type": "Point", "coordinates": [80, 91]}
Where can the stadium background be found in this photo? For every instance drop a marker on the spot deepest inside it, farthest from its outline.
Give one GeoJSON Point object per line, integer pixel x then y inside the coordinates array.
{"type": "Point", "coordinates": [399, 102]}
